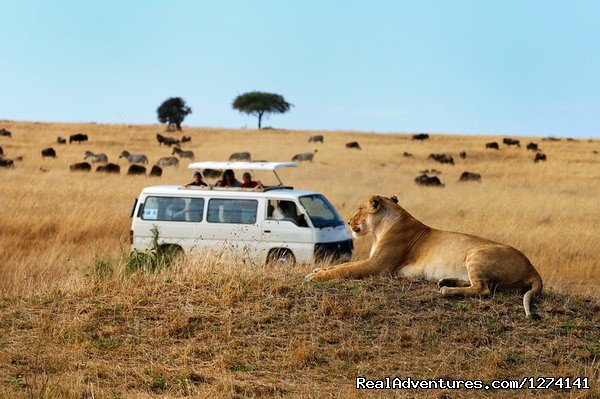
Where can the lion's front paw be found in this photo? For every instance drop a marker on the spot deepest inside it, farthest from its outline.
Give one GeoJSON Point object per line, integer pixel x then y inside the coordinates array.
{"type": "Point", "coordinates": [313, 276]}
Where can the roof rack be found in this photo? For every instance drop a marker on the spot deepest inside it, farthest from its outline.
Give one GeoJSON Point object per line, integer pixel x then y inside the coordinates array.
{"type": "Point", "coordinates": [273, 166]}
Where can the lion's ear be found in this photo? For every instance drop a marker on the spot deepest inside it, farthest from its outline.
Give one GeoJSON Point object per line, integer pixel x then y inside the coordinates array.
{"type": "Point", "coordinates": [375, 202]}
{"type": "Point", "coordinates": [394, 199]}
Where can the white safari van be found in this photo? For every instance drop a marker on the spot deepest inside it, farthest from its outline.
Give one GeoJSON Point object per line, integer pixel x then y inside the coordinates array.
{"type": "Point", "coordinates": [273, 223]}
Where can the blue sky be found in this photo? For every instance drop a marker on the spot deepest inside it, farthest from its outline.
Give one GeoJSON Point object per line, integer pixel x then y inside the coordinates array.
{"type": "Point", "coordinates": [502, 67]}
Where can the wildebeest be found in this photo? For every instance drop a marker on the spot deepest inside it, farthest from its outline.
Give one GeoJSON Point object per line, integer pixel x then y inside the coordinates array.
{"type": "Point", "coordinates": [136, 170]}
{"type": "Point", "coordinates": [61, 140]}
{"type": "Point", "coordinates": [442, 158]}
{"type": "Point", "coordinates": [156, 171]}
{"type": "Point", "coordinates": [432, 171]}
{"type": "Point", "coordinates": [109, 168]}
{"type": "Point", "coordinates": [539, 157]}
{"type": "Point", "coordinates": [183, 154]}
{"type": "Point", "coordinates": [79, 137]}
{"type": "Point", "coordinates": [463, 154]}
{"type": "Point", "coordinates": [95, 157]}
{"type": "Point", "coordinates": [420, 136]}
{"type": "Point", "coordinates": [532, 146]}
{"type": "Point", "coordinates": [6, 163]}
{"type": "Point", "coordinates": [316, 139]}
{"type": "Point", "coordinates": [304, 156]}
{"type": "Point", "coordinates": [80, 166]}
{"type": "Point", "coordinates": [212, 173]}
{"type": "Point", "coordinates": [353, 144]}
{"type": "Point", "coordinates": [167, 140]}
{"type": "Point", "coordinates": [186, 139]}
{"type": "Point", "coordinates": [168, 161]}
{"type": "Point", "coordinates": [134, 158]}
{"type": "Point", "coordinates": [5, 133]}
{"type": "Point", "coordinates": [469, 176]}
{"type": "Point", "coordinates": [407, 154]}
{"type": "Point", "coordinates": [508, 141]}
{"type": "Point", "coordinates": [492, 145]}
{"type": "Point", "coordinates": [425, 180]}
{"type": "Point", "coordinates": [240, 156]}
{"type": "Point", "coordinates": [49, 152]}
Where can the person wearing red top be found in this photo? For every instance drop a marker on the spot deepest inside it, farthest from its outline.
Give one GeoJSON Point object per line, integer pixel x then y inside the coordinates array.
{"type": "Point", "coordinates": [249, 183]}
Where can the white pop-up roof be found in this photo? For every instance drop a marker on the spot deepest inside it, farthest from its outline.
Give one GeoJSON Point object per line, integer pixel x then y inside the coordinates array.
{"type": "Point", "coordinates": [242, 165]}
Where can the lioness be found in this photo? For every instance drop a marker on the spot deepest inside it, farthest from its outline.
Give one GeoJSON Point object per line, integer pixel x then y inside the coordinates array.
{"type": "Point", "coordinates": [462, 264]}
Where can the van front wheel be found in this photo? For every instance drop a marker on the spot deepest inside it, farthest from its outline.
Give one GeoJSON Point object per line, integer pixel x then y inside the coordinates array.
{"type": "Point", "coordinates": [281, 257]}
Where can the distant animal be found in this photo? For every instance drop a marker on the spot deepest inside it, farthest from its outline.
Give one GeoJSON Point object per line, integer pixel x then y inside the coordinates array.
{"type": "Point", "coordinates": [109, 168]}
{"type": "Point", "coordinates": [432, 171]}
{"type": "Point", "coordinates": [492, 145]}
{"type": "Point", "coordinates": [463, 154]}
{"type": "Point", "coordinates": [532, 146]}
{"type": "Point", "coordinates": [168, 161]}
{"type": "Point", "coordinates": [240, 156]}
{"type": "Point", "coordinates": [539, 157]}
{"type": "Point", "coordinates": [550, 139]}
{"type": "Point", "coordinates": [183, 154]}
{"type": "Point", "coordinates": [156, 171]}
{"type": "Point", "coordinates": [468, 176]}
{"type": "Point", "coordinates": [80, 166]}
{"type": "Point", "coordinates": [136, 170]}
{"type": "Point", "coordinates": [94, 158]}
{"type": "Point", "coordinates": [508, 141]}
{"type": "Point", "coordinates": [48, 152]}
{"type": "Point", "coordinates": [304, 156]}
{"type": "Point", "coordinates": [420, 136]}
{"type": "Point", "coordinates": [353, 144]}
{"type": "Point", "coordinates": [61, 140]}
{"type": "Point", "coordinates": [212, 173]}
{"type": "Point", "coordinates": [79, 137]}
{"type": "Point", "coordinates": [442, 158]}
{"type": "Point", "coordinates": [407, 154]}
{"type": "Point", "coordinates": [6, 163]}
{"type": "Point", "coordinates": [186, 139]}
{"type": "Point", "coordinates": [167, 140]}
{"type": "Point", "coordinates": [134, 158]}
{"type": "Point", "coordinates": [463, 265]}
{"type": "Point", "coordinates": [5, 133]}
{"type": "Point", "coordinates": [572, 139]}
{"type": "Point", "coordinates": [425, 180]}
{"type": "Point", "coordinates": [316, 139]}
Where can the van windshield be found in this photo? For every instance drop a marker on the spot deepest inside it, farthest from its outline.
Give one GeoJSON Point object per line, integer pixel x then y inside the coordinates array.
{"type": "Point", "coordinates": [321, 212]}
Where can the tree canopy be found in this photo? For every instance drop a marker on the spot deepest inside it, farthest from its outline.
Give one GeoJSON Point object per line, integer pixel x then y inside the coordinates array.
{"type": "Point", "coordinates": [260, 103]}
{"type": "Point", "coordinates": [173, 111]}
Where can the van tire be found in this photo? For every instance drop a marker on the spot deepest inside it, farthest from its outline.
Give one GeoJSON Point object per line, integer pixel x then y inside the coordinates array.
{"type": "Point", "coordinates": [281, 256]}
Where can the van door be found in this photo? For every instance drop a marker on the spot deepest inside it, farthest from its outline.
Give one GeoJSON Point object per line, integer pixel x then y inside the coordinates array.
{"type": "Point", "coordinates": [232, 227]}
{"type": "Point", "coordinates": [285, 227]}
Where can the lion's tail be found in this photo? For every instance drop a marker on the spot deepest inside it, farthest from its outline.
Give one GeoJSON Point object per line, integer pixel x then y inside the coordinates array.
{"type": "Point", "coordinates": [536, 289]}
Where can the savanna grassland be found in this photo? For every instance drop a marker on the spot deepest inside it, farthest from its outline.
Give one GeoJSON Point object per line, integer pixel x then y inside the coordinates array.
{"type": "Point", "coordinates": [74, 324]}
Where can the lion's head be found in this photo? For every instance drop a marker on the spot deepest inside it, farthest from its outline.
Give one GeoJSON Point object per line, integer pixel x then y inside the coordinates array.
{"type": "Point", "coordinates": [371, 213]}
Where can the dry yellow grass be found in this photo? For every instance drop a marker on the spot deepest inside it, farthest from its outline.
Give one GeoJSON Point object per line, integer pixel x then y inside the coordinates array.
{"type": "Point", "coordinates": [56, 223]}
{"type": "Point", "coordinates": [210, 329]}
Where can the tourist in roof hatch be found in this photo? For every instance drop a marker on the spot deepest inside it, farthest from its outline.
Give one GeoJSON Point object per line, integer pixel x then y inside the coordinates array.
{"type": "Point", "coordinates": [228, 180]}
{"type": "Point", "coordinates": [249, 183]}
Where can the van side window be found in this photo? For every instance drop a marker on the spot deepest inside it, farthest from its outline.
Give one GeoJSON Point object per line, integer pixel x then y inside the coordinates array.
{"type": "Point", "coordinates": [240, 211]}
{"type": "Point", "coordinates": [173, 209]}
{"type": "Point", "coordinates": [282, 210]}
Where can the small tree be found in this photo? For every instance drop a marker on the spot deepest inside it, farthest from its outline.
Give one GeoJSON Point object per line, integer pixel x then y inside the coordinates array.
{"type": "Point", "coordinates": [173, 111]}
{"type": "Point", "coordinates": [260, 103]}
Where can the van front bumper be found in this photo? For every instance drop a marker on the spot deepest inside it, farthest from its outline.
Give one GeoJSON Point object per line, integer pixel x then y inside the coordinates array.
{"type": "Point", "coordinates": [339, 251]}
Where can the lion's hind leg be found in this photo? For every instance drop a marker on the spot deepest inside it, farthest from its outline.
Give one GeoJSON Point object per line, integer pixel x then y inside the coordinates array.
{"type": "Point", "coordinates": [453, 282]}
{"type": "Point", "coordinates": [478, 285]}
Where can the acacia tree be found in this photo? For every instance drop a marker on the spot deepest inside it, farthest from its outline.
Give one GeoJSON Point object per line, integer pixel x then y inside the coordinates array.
{"type": "Point", "coordinates": [259, 103]}
{"type": "Point", "coordinates": [173, 111]}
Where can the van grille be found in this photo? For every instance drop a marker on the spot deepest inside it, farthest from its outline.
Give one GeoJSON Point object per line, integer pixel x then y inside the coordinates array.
{"type": "Point", "coordinates": [333, 250]}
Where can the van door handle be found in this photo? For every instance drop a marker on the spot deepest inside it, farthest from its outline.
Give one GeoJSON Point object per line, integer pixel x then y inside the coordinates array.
{"type": "Point", "coordinates": [267, 231]}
